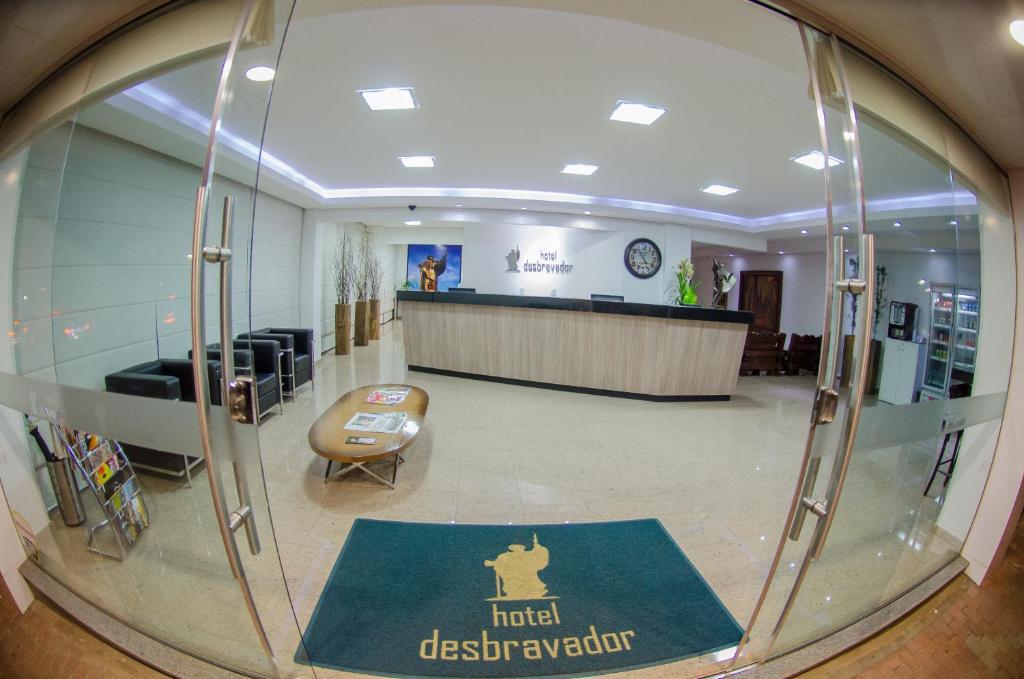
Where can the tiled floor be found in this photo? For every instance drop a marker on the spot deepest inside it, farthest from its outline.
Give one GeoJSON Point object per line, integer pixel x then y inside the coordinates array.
{"type": "Point", "coordinates": [718, 475]}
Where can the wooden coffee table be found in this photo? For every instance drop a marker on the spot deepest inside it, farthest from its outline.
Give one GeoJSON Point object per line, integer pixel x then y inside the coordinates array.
{"type": "Point", "coordinates": [328, 434]}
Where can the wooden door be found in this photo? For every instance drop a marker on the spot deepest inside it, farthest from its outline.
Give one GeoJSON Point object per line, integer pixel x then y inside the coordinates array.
{"type": "Point", "coordinates": [761, 292]}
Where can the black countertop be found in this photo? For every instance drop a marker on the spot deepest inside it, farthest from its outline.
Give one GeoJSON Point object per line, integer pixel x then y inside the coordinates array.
{"type": "Point", "coordinates": [686, 313]}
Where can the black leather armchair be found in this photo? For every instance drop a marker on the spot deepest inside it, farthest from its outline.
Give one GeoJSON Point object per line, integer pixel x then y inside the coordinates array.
{"type": "Point", "coordinates": [259, 359]}
{"type": "Point", "coordinates": [170, 379]}
{"type": "Point", "coordinates": [300, 341]}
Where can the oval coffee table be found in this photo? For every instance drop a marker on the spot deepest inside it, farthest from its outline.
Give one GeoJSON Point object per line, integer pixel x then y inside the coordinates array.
{"type": "Point", "coordinates": [328, 434]}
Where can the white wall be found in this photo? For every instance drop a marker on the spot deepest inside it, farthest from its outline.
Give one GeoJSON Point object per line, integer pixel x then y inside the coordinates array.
{"type": "Point", "coordinates": [1001, 471]}
{"type": "Point", "coordinates": [596, 257]}
{"type": "Point", "coordinates": [329, 233]}
{"type": "Point", "coordinates": [17, 468]}
{"type": "Point", "coordinates": [803, 283]}
{"type": "Point", "coordinates": [106, 284]}
{"type": "Point", "coordinates": [803, 286]}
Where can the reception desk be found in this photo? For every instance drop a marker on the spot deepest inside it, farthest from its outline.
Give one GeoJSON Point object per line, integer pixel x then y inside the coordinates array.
{"type": "Point", "coordinates": [648, 351]}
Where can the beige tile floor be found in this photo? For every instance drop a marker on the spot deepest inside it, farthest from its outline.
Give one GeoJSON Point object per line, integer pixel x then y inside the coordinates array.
{"type": "Point", "coordinates": [719, 476]}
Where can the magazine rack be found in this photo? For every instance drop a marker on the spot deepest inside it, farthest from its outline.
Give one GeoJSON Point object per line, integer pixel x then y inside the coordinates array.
{"type": "Point", "coordinates": [112, 480]}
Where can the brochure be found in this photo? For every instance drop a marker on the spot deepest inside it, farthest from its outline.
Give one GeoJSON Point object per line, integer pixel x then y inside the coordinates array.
{"type": "Point", "coordinates": [388, 397]}
{"type": "Point", "coordinates": [385, 423]}
{"type": "Point", "coordinates": [361, 440]}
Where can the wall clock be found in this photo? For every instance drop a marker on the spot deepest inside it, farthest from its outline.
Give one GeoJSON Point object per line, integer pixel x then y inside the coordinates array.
{"type": "Point", "coordinates": [642, 257]}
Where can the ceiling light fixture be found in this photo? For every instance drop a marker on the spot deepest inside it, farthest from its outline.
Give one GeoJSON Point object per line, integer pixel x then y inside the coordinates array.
{"type": "Point", "coordinates": [417, 161]}
{"type": "Point", "coordinates": [1017, 30]}
{"type": "Point", "coordinates": [260, 74]}
{"type": "Point", "coordinates": [897, 224]}
{"type": "Point", "coordinates": [952, 222]}
{"type": "Point", "coordinates": [458, 205]}
{"type": "Point", "coordinates": [846, 227]}
{"type": "Point", "coordinates": [803, 231]}
{"type": "Point", "coordinates": [781, 252]}
{"type": "Point", "coordinates": [931, 249]}
{"type": "Point", "coordinates": [641, 114]}
{"type": "Point", "coordinates": [579, 168]}
{"type": "Point", "coordinates": [389, 99]}
{"type": "Point", "coordinates": [586, 212]}
{"type": "Point", "coordinates": [816, 160]}
{"type": "Point", "coordinates": [719, 190]}
{"type": "Point", "coordinates": [413, 222]}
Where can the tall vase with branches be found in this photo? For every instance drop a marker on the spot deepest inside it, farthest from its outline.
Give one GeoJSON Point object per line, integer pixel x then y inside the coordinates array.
{"type": "Point", "coordinates": [343, 272]}
{"type": "Point", "coordinates": [375, 275]}
{"type": "Point", "coordinates": [362, 290]}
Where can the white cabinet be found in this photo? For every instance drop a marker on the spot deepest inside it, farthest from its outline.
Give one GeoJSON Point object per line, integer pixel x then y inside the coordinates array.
{"type": "Point", "coordinates": [902, 368]}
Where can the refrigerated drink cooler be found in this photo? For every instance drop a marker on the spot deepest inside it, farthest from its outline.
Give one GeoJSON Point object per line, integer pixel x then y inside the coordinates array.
{"type": "Point", "coordinates": [952, 340]}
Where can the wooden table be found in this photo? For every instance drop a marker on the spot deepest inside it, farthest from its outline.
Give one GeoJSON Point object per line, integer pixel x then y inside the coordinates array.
{"type": "Point", "coordinates": [328, 434]}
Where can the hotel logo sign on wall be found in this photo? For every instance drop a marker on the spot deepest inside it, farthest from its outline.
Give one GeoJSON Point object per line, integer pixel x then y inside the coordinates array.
{"type": "Point", "coordinates": [547, 262]}
{"type": "Point", "coordinates": [516, 580]}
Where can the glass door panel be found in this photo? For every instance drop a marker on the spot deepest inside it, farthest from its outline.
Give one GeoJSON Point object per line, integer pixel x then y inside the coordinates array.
{"type": "Point", "coordinates": [894, 526]}
{"type": "Point", "coordinates": [106, 288]}
{"type": "Point", "coordinates": [240, 298]}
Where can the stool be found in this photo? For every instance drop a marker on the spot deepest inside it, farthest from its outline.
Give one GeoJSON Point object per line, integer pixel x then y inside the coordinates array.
{"type": "Point", "coordinates": [950, 461]}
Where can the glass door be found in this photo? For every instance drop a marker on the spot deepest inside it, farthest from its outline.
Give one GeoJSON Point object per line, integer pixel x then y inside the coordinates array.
{"type": "Point", "coordinates": [122, 278]}
{"type": "Point", "coordinates": [884, 501]}
{"type": "Point", "coordinates": [235, 249]}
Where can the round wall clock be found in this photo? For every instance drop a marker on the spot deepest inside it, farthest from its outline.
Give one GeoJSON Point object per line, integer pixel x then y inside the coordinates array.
{"type": "Point", "coordinates": [643, 257]}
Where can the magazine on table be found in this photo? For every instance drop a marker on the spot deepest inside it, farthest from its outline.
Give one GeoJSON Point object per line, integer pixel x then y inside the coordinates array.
{"type": "Point", "coordinates": [388, 397]}
{"type": "Point", "coordinates": [385, 423]}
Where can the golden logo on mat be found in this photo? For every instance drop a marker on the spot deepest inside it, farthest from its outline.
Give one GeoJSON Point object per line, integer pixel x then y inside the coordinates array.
{"type": "Point", "coordinates": [515, 573]}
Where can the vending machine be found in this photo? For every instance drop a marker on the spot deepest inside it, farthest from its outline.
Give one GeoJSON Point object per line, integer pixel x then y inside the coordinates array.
{"type": "Point", "coordinates": [902, 320]}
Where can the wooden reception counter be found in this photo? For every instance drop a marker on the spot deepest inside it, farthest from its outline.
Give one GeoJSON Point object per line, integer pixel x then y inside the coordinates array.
{"type": "Point", "coordinates": [648, 351]}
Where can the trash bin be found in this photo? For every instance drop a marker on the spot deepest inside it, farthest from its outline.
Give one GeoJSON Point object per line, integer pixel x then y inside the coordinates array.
{"type": "Point", "coordinates": [65, 487]}
{"type": "Point", "coordinates": [62, 478]}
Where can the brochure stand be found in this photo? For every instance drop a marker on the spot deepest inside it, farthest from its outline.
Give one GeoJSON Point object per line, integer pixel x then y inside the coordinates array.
{"type": "Point", "coordinates": [109, 474]}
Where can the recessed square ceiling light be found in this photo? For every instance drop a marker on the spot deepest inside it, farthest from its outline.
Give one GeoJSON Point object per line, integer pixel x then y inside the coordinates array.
{"type": "Point", "coordinates": [417, 161]}
{"type": "Point", "coordinates": [413, 222]}
{"type": "Point", "coordinates": [641, 114]}
{"type": "Point", "coordinates": [579, 168]}
{"type": "Point", "coordinates": [719, 190]}
{"type": "Point", "coordinates": [389, 98]}
{"type": "Point", "coordinates": [816, 160]}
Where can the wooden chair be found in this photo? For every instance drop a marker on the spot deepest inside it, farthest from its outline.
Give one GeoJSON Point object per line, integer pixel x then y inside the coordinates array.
{"type": "Point", "coordinates": [764, 351]}
{"type": "Point", "coordinates": [804, 354]}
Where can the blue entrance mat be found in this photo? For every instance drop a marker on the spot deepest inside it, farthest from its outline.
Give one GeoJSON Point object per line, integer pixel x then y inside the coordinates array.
{"type": "Point", "coordinates": [444, 600]}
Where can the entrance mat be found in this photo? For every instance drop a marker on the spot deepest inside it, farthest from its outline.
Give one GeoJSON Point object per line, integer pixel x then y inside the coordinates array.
{"type": "Point", "coordinates": [445, 600]}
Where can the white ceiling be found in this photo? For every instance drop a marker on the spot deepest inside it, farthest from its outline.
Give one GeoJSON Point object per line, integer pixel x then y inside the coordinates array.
{"type": "Point", "coordinates": [509, 95]}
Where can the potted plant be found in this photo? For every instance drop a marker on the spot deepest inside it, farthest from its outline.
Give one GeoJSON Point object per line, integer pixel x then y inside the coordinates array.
{"type": "Point", "coordinates": [375, 282]}
{"type": "Point", "coordinates": [343, 274]}
{"type": "Point", "coordinates": [362, 290]}
{"type": "Point", "coordinates": [876, 344]}
{"type": "Point", "coordinates": [683, 291]}
{"type": "Point", "coordinates": [846, 374]}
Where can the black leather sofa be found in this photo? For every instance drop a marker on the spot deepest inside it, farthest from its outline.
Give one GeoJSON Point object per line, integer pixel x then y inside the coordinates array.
{"type": "Point", "coordinates": [300, 341]}
{"type": "Point", "coordinates": [259, 359]}
{"type": "Point", "coordinates": [170, 379]}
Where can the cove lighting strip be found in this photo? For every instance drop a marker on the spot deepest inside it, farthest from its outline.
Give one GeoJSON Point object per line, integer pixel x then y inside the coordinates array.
{"type": "Point", "coordinates": [157, 100]}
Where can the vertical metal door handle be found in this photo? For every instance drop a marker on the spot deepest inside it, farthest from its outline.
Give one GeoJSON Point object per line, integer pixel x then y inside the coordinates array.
{"type": "Point", "coordinates": [863, 342]}
{"type": "Point", "coordinates": [243, 516]}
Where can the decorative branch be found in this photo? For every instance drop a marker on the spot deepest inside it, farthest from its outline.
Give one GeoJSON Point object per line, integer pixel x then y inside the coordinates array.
{"type": "Point", "coordinates": [363, 269]}
{"type": "Point", "coordinates": [343, 269]}
{"type": "Point", "coordinates": [376, 276]}
{"type": "Point", "coordinates": [880, 277]}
